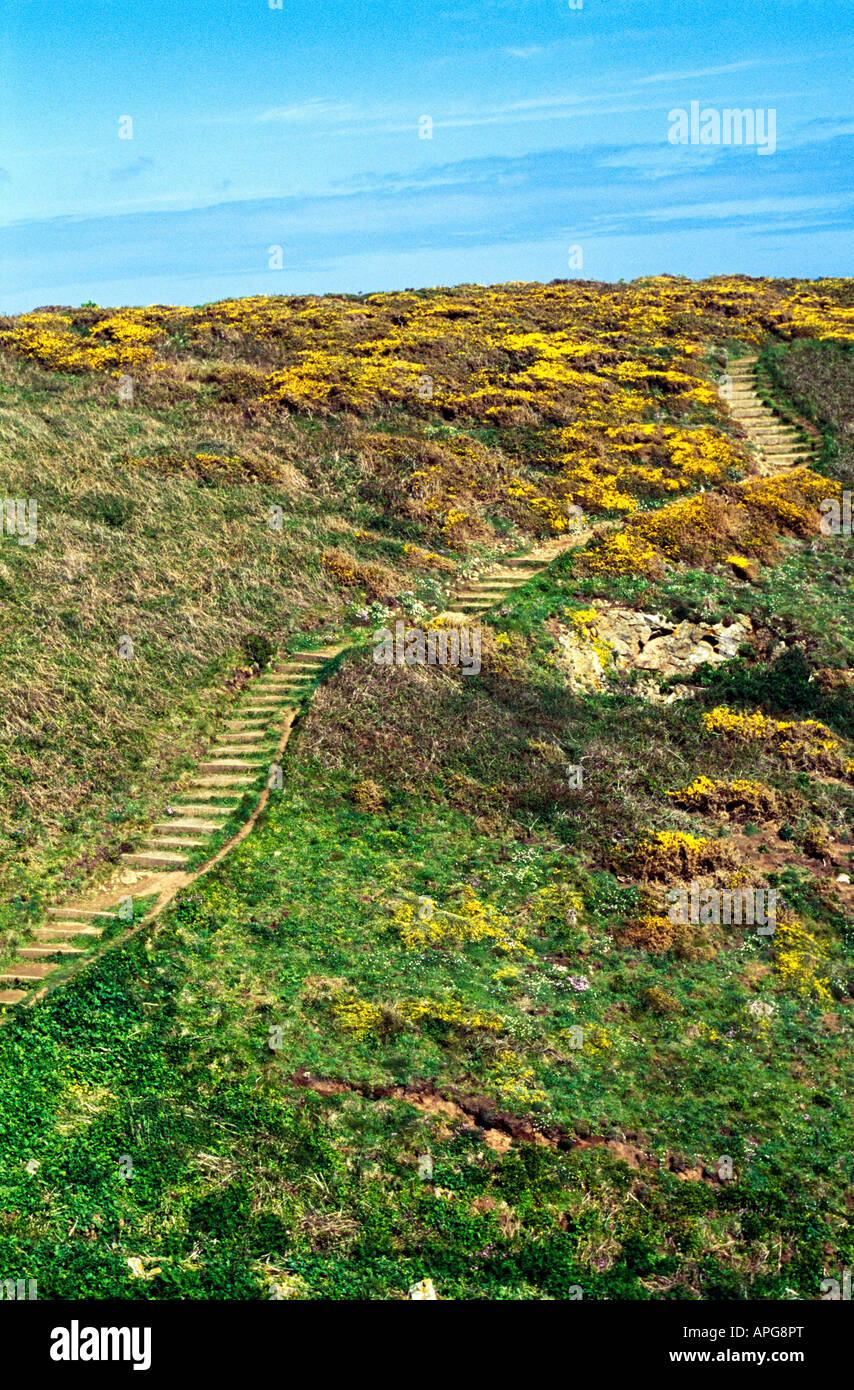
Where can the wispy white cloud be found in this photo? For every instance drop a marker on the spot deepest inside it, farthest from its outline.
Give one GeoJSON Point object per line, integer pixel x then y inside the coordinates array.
{"type": "Point", "coordinates": [706, 72]}
{"type": "Point", "coordinates": [317, 109]}
{"type": "Point", "coordinates": [532, 51]}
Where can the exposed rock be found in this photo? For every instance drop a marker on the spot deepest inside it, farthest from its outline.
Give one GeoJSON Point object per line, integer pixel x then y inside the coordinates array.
{"type": "Point", "coordinates": [609, 639]}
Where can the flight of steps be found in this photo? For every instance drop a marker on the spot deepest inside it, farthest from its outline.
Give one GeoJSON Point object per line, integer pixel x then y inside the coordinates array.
{"type": "Point", "coordinates": [782, 446]}
{"type": "Point", "coordinates": [488, 590]}
{"type": "Point", "coordinates": [70, 932]}
{"type": "Point", "coordinates": [201, 807]}
{"type": "Point", "coordinates": [245, 749]}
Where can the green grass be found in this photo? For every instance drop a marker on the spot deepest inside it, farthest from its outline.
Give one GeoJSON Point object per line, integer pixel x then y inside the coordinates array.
{"type": "Point", "coordinates": [240, 1180]}
{"type": "Point", "coordinates": [243, 1181]}
{"type": "Point", "coordinates": [191, 572]}
{"type": "Point", "coordinates": [292, 1169]}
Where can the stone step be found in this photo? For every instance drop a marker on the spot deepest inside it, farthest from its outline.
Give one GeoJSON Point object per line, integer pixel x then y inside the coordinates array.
{"type": "Point", "coordinates": [53, 948]}
{"type": "Point", "coordinates": [149, 860]}
{"type": "Point", "coordinates": [283, 681]}
{"type": "Point", "coordinates": [231, 750]}
{"type": "Point", "coordinates": [26, 972]}
{"type": "Point", "coordinates": [272, 696]}
{"type": "Point", "coordinates": [191, 823]}
{"type": "Point", "coordinates": [83, 914]}
{"type": "Point", "coordinates": [219, 780]}
{"type": "Point", "coordinates": [268, 707]}
{"type": "Point", "coordinates": [165, 842]}
{"type": "Point", "coordinates": [252, 749]}
{"type": "Point", "coordinates": [12, 996]}
{"type": "Point", "coordinates": [312, 660]}
{"type": "Point", "coordinates": [244, 723]}
{"type": "Point", "coordinates": [223, 765]}
{"type": "Point", "coordinates": [200, 804]}
{"type": "Point", "coordinates": [774, 441]}
{"type": "Point", "coordinates": [65, 931]}
{"type": "Point", "coordinates": [251, 739]}
{"type": "Point", "coordinates": [787, 451]}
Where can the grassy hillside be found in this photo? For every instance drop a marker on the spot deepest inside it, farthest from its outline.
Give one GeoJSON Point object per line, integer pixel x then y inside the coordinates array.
{"type": "Point", "coordinates": [404, 437]}
{"type": "Point", "coordinates": [431, 1019]}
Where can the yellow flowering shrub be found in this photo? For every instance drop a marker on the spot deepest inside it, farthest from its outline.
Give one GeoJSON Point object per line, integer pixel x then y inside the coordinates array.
{"type": "Point", "coordinates": [557, 902]}
{"type": "Point", "coordinates": [378, 581]}
{"type": "Point", "coordinates": [453, 1012]}
{"type": "Point", "coordinates": [672, 854]}
{"type": "Point", "coordinates": [607, 393]}
{"type": "Point", "coordinates": [799, 743]}
{"type": "Point", "coordinates": [470, 920]}
{"type": "Point", "coordinates": [625, 552]}
{"type": "Point", "coordinates": [357, 1015]}
{"type": "Point", "coordinates": [363, 1018]}
{"type": "Point", "coordinates": [513, 1081]}
{"type": "Point", "coordinates": [800, 960]}
{"type": "Point", "coordinates": [733, 525]}
{"type": "Point", "coordinates": [741, 798]}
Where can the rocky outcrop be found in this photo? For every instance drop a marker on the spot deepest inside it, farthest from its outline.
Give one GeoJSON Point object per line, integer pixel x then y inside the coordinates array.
{"type": "Point", "coordinates": [600, 642]}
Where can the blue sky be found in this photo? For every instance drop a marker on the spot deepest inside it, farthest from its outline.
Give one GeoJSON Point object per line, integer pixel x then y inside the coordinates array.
{"type": "Point", "coordinates": [299, 127]}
